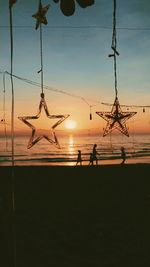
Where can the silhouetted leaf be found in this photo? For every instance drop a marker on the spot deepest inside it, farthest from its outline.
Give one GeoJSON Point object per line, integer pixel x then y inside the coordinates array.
{"type": "Point", "coordinates": [85, 3]}
{"type": "Point", "coordinates": [68, 6]}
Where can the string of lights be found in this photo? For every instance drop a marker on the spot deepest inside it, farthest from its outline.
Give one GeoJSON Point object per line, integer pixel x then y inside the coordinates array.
{"type": "Point", "coordinates": [85, 100]}
{"type": "Point", "coordinates": [127, 106]}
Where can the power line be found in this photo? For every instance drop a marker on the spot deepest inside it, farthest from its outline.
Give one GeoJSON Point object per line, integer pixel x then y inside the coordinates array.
{"type": "Point", "coordinates": [84, 27]}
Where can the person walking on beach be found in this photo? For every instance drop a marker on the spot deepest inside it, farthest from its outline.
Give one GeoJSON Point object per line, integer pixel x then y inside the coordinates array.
{"type": "Point", "coordinates": [94, 154]}
{"type": "Point", "coordinates": [123, 155]}
{"type": "Point", "coordinates": [91, 159]}
{"type": "Point", "coordinates": [79, 159]}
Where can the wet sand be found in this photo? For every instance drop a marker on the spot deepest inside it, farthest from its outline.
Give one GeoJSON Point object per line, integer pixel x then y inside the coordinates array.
{"type": "Point", "coordinates": [76, 216]}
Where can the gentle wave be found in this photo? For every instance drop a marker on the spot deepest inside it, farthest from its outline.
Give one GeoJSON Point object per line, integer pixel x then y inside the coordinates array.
{"type": "Point", "coordinates": [70, 159]}
{"type": "Point", "coordinates": [46, 153]}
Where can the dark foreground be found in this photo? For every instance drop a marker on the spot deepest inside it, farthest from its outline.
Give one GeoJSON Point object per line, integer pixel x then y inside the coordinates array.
{"type": "Point", "coordinates": [76, 216]}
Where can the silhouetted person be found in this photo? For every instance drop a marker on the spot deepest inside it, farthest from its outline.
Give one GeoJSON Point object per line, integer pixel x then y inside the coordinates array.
{"type": "Point", "coordinates": [94, 154]}
{"type": "Point", "coordinates": [91, 159]}
{"type": "Point", "coordinates": [123, 155]}
{"type": "Point", "coordinates": [79, 159]}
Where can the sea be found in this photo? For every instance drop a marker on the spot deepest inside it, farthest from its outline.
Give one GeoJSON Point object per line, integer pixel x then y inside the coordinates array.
{"type": "Point", "coordinates": [137, 148]}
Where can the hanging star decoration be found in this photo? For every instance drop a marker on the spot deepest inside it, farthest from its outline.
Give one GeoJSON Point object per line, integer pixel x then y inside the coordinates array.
{"type": "Point", "coordinates": [116, 119]}
{"type": "Point", "coordinates": [40, 16]}
{"type": "Point", "coordinates": [68, 6]}
{"type": "Point", "coordinates": [35, 139]}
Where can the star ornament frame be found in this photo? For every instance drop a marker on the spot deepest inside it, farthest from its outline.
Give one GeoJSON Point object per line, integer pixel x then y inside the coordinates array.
{"type": "Point", "coordinates": [116, 119]}
{"type": "Point", "coordinates": [33, 139]}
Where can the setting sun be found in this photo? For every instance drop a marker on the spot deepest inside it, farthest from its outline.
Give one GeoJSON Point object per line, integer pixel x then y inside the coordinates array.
{"type": "Point", "coordinates": [70, 124]}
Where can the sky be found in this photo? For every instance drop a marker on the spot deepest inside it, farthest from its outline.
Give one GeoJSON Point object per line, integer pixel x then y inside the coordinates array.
{"type": "Point", "coordinates": [76, 61]}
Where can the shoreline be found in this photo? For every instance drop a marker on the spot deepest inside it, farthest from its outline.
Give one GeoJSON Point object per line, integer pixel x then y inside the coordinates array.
{"type": "Point", "coordinates": [101, 162]}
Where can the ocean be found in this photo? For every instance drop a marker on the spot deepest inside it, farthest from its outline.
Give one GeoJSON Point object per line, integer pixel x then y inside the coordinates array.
{"type": "Point", "coordinates": [137, 149]}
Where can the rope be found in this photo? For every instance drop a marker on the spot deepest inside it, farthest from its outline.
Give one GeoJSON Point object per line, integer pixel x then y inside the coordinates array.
{"type": "Point", "coordinates": [41, 53]}
{"type": "Point", "coordinates": [114, 47]}
{"type": "Point", "coordinates": [115, 73]}
{"type": "Point", "coordinates": [12, 140]}
{"type": "Point", "coordinates": [4, 113]}
{"type": "Point", "coordinates": [12, 87]}
{"type": "Point", "coordinates": [114, 41]}
{"type": "Point", "coordinates": [133, 138]}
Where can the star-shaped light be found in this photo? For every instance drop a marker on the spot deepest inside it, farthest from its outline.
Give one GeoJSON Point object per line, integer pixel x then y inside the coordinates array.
{"type": "Point", "coordinates": [33, 139]}
{"type": "Point", "coordinates": [116, 119]}
{"type": "Point", "coordinates": [40, 15]}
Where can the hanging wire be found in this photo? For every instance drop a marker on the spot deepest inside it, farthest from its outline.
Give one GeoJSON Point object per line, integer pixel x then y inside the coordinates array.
{"type": "Point", "coordinates": [90, 106]}
{"type": "Point", "coordinates": [114, 47]}
{"type": "Point", "coordinates": [82, 27]}
{"type": "Point", "coordinates": [41, 52]}
{"type": "Point", "coordinates": [133, 153]}
{"type": "Point", "coordinates": [4, 112]}
{"type": "Point", "coordinates": [115, 73]}
{"type": "Point", "coordinates": [12, 86]}
{"type": "Point", "coordinates": [12, 137]}
{"type": "Point", "coordinates": [85, 100]}
{"type": "Point", "coordinates": [127, 106]}
{"type": "Point", "coordinates": [133, 139]}
{"type": "Point", "coordinates": [69, 94]}
{"type": "Point", "coordinates": [53, 89]}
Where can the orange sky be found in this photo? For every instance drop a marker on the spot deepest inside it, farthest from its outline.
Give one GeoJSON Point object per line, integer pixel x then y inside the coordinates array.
{"type": "Point", "coordinates": [140, 123]}
{"type": "Point", "coordinates": [76, 61]}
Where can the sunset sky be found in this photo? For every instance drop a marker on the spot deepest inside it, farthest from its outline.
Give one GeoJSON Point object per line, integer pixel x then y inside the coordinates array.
{"type": "Point", "coordinates": [76, 61]}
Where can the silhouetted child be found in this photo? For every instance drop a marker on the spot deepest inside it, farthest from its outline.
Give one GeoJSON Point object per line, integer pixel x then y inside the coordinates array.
{"type": "Point", "coordinates": [123, 155]}
{"type": "Point", "coordinates": [91, 159]}
{"type": "Point", "coordinates": [79, 159]}
{"type": "Point", "coordinates": [94, 154]}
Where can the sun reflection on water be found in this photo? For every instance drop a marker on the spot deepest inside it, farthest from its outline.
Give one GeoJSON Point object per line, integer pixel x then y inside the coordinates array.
{"type": "Point", "coordinates": [71, 144]}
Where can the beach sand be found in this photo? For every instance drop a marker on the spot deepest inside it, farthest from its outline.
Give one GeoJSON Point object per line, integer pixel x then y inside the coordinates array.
{"type": "Point", "coordinates": [76, 216]}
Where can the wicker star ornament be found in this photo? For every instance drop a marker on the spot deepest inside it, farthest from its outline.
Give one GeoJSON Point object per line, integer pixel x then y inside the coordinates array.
{"type": "Point", "coordinates": [116, 119]}
{"type": "Point", "coordinates": [35, 139]}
